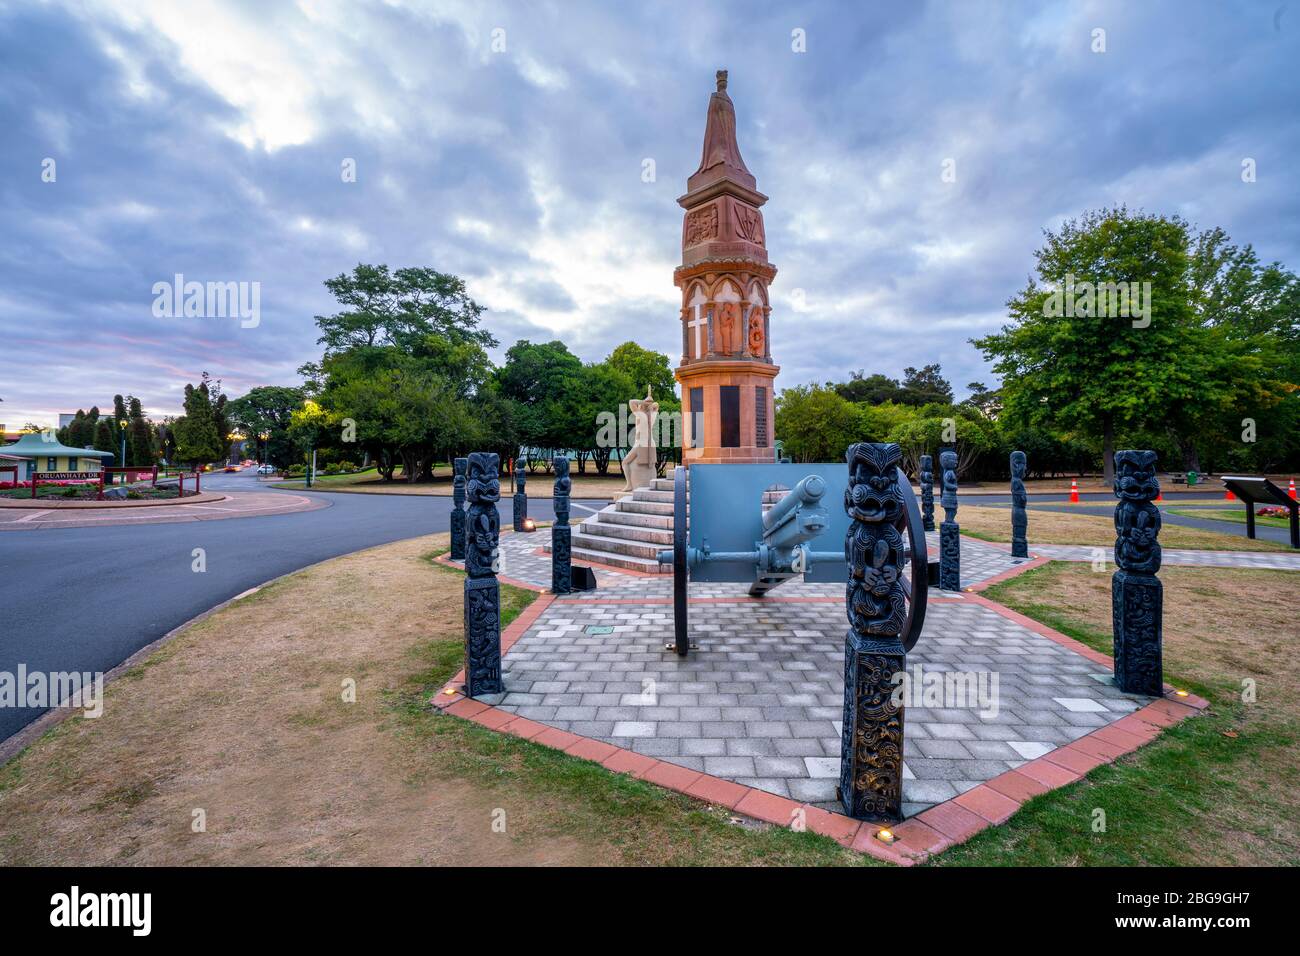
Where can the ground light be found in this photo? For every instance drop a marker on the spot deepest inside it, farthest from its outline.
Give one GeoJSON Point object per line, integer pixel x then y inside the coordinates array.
{"type": "Point", "coordinates": [1180, 693]}
{"type": "Point", "coordinates": [530, 524]}
{"type": "Point", "coordinates": [885, 836]}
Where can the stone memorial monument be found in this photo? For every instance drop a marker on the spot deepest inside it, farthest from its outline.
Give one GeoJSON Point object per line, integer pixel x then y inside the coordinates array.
{"type": "Point", "coordinates": [726, 372]}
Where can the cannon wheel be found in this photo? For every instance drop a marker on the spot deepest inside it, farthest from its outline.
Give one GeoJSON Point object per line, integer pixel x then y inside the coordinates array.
{"type": "Point", "coordinates": [681, 576]}
{"type": "Point", "coordinates": [917, 571]}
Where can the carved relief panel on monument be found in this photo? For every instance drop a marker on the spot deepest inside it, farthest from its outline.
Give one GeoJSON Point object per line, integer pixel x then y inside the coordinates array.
{"type": "Point", "coordinates": [746, 223]}
{"type": "Point", "coordinates": [700, 225]}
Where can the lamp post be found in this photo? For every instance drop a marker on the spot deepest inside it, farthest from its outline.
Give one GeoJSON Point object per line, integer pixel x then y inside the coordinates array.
{"type": "Point", "coordinates": [263, 438]}
{"type": "Point", "coordinates": [122, 425]}
{"type": "Point", "coordinates": [234, 438]}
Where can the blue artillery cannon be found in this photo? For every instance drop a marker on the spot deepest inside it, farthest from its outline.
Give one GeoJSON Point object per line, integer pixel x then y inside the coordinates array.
{"type": "Point", "coordinates": [721, 533]}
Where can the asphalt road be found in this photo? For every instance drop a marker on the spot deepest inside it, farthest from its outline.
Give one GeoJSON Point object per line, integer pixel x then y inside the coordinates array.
{"type": "Point", "coordinates": [86, 599]}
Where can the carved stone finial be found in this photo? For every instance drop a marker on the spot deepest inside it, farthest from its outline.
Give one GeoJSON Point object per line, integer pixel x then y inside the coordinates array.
{"type": "Point", "coordinates": [722, 81]}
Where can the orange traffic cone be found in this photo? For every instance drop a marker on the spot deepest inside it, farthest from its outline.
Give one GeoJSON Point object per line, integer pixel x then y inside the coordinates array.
{"type": "Point", "coordinates": [1074, 491]}
{"type": "Point", "coordinates": [1291, 490]}
{"type": "Point", "coordinates": [1229, 496]}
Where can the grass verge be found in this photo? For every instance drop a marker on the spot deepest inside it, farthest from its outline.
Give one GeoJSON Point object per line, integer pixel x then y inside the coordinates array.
{"type": "Point", "coordinates": [1236, 517]}
{"type": "Point", "coordinates": [1060, 527]}
{"type": "Point", "coordinates": [1220, 789]}
{"type": "Point", "coordinates": [244, 717]}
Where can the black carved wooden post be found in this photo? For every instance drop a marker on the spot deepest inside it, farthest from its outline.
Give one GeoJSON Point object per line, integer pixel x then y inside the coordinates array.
{"type": "Point", "coordinates": [1019, 516]}
{"type": "Point", "coordinates": [561, 533]}
{"type": "Point", "coordinates": [949, 533]}
{"type": "Point", "coordinates": [1137, 596]}
{"type": "Point", "coordinates": [482, 593]}
{"type": "Point", "coordinates": [871, 742]}
{"type": "Point", "coordinates": [927, 492]}
{"type": "Point", "coordinates": [458, 508]}
{"type": "Point", "coordinates": [521, 496]}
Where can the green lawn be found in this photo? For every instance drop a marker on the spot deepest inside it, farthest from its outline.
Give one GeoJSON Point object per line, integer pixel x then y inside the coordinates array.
{"type": "Point", "coordinates": [1236, 516]}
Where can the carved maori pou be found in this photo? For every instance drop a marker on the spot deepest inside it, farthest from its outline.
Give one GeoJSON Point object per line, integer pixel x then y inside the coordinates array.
{"type": "Point", "coordinates": [871, 744]}
{"type": "Point", "coordinates": [949, 532]}
{"type": "Point", "coordinates": [458, 508]}
{"type": "Point", "coordinates": [561, 533]}
{"type": "Point", "coordinates": [1137, 596]}
{"type": "Point", "coordinates": [1019, 516]}
{"type": "Point", "coordinates": [927, 492]}
{"type": "Point", "coordinates": [482, 592]}
{"type": "Point", "coordinates": [521, 494]}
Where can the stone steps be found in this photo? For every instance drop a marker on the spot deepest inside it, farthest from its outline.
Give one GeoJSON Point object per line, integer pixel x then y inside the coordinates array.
{"type": "Point", "coordinates": [662, 537]}
{"type": "Point", "coordinates": [623, 547]}
{"type": "Point", "coordinates": [630, 504]}
{"type": "Point", "coordinates": [620, 561]}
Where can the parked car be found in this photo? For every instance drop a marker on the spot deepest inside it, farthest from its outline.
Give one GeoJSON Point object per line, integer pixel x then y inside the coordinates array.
{"type": "Point", "coordinates": [266, 470]}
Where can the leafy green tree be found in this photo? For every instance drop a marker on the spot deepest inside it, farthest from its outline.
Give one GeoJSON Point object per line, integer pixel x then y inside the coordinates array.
{"type": "Point", "coordinates": [816, 423]}
{"type": "Point", "coordinates": [925, 386]}
{"type": "Point", "coordinates": [1098, 375]}
{"type": "Point", "coordinates": [400, 308]}
{"type": "Point", "coordinates": [644, 367]}
{"type": "Point", "coordinates": [268, 410]}
{"type": "Point", "coordinates": [960, 428]}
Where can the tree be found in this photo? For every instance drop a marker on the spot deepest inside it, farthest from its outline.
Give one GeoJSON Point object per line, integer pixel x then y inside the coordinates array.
{"type": "Point", "coordinates": [960, 428]}
{"type": "Point", "coordinates": [140, 439]}
{"type": "Point", "coordinates": [987, 401]}
{"type": "Point", "coordinates": [869, 389]}
{"type": "Point", "coordinates": [268, 410]}
{"type": "Point", "coordinates": [644, 367]}
{"type": "Point", "coordinates": [816, 423]}
{"type": "Point", "coordinates": [399, 308]}
{"type": "Point", "coordinates": [1072, 370]}
{"type": "Point", "coordinates": [198, 440]}
{"type": "Point", "coordinates": [925, 386]}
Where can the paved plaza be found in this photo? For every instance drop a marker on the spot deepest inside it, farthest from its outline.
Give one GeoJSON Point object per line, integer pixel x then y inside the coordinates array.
{"type": "Point", "coordinates": [759, 702]}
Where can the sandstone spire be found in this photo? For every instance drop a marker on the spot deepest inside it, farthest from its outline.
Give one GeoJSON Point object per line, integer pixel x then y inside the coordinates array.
{"type": "Point", "coordinates": [726, 372]}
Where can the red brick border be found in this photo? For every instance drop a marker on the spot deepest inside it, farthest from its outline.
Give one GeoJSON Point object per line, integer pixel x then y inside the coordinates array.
{"type": "Point", "coordinates": [914, 840]}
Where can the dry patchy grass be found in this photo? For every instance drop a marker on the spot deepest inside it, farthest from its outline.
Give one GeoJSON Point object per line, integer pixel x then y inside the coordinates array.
{"type": "Point", "coordinates": [242, 716]}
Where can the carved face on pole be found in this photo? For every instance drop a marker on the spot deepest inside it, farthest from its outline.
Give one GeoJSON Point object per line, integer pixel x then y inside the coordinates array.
{"type": "Point", "coordinates": [484, 487]}
{"type": "Point", "coordinates": [873, 494]}
{"type": "Point", "coordinates": [1018, 463]}
{"type": "Point", "coordinates": [1135, 476]}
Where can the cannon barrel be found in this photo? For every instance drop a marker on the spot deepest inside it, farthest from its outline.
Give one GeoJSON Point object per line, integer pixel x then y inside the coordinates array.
{"type": "Point", "coordinates": [808, 492]}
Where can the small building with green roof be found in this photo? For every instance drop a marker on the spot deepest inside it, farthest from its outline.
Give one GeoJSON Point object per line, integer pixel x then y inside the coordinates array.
{"type": "Point", "coordinates": [49, 456]}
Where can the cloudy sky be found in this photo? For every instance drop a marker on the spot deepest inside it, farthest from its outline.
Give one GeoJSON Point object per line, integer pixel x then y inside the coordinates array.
{"type": "Point", "coordinates": [505, 142]}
